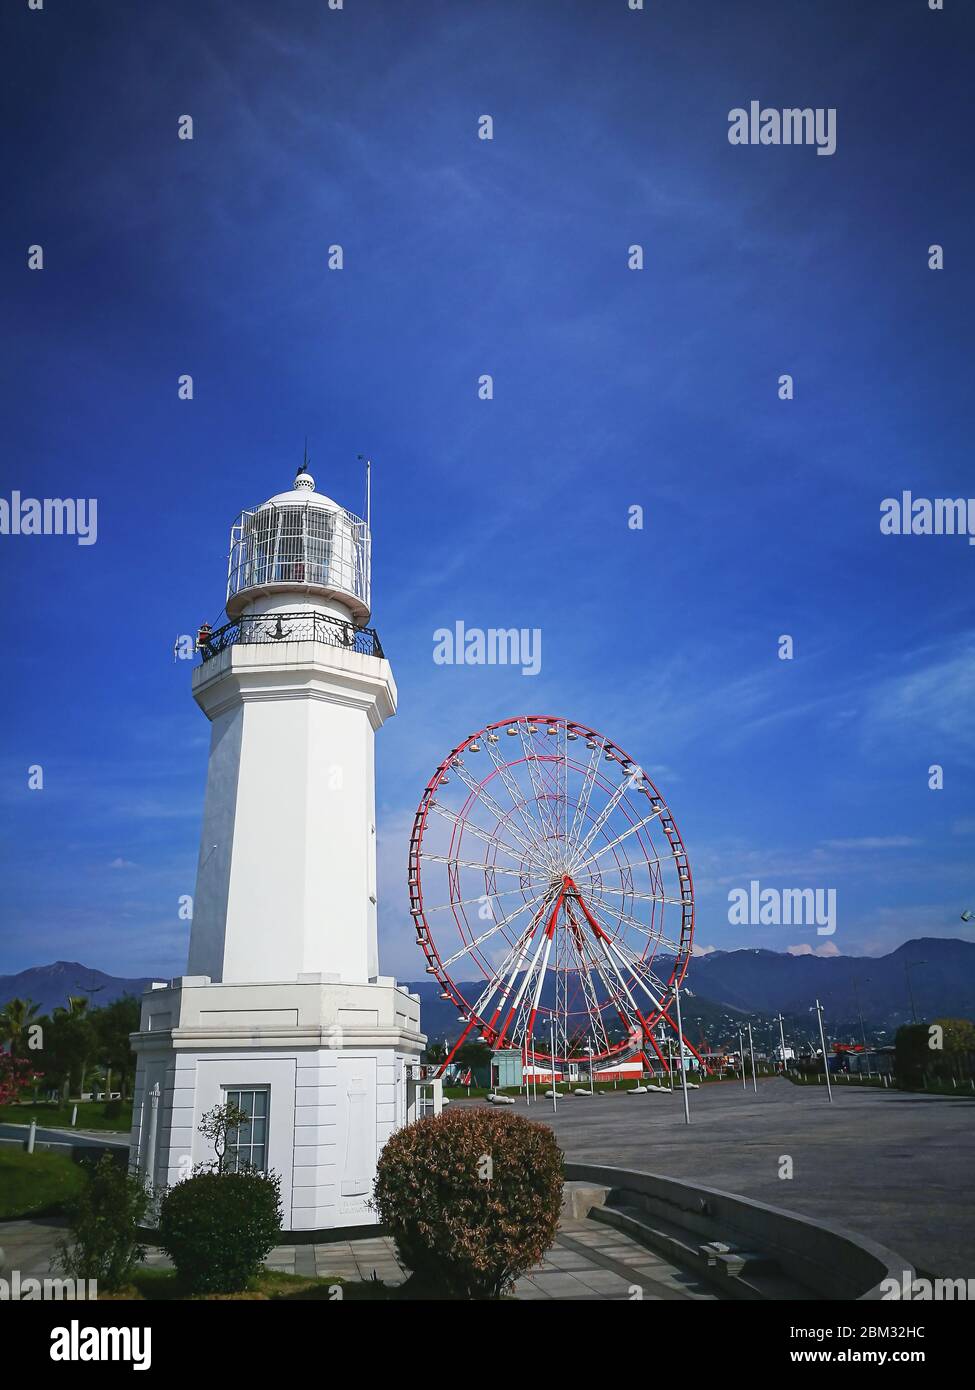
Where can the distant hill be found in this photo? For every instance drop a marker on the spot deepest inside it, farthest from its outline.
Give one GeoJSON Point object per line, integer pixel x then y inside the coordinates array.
{"type": "Point", "coordinates": [724, 990]}
{"type": "Point", "coordinates": [50, 985]}
{"type": "Point", "coordinates": [773, 982]}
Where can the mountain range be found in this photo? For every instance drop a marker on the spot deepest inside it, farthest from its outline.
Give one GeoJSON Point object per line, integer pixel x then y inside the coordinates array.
{"type": "Point", "coordinates": [725, 989]}
{"type": "Point", "coordinates": [931, 977]}
{"type": "Point", "coordinates": [50, 985]}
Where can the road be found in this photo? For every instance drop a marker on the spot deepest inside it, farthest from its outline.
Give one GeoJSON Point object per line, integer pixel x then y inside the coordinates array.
{"type": "Point", "coordinates": [80, 1138]}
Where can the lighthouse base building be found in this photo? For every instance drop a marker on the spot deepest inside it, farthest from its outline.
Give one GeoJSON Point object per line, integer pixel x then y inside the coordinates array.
{"type": "Point", "coordinates": [283, 1012]}
{"type": "Point", "coordinates": [321, 1067]}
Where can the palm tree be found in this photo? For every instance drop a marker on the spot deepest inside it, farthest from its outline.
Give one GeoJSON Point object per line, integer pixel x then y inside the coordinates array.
{"type": "Point", "coordinates": [77, 1004]}
{"type": "Point", "coordinates": [15, 1022]}
{"type": "Point", "coordinates": [77, 1008]}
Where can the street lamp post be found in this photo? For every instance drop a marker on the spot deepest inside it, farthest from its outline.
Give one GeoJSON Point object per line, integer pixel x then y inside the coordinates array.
{"type": "Point", "coordinates": [908, 967]}
{"type": "Point", "coordinates": [741, 1058]}
{"type": "Point", "coordinates": [781, 1021]}
{"type": "Point", "coordinates": [822, 1039]}
{"type": "Point", "coordinates": [680, 1055]}
{"type": "Point", "coordinates": [751, 1053]}
{"type": "Point", "coordinates": [555, 1089]}
{"type": "Point", "coordinates": [863, 1033]}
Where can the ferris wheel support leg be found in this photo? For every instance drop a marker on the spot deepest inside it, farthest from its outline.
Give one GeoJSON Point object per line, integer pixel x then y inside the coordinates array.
{"type": "Point", "coordinates": [663, 1060]}
{"type": "Point", "coordinates": [450, 1055]}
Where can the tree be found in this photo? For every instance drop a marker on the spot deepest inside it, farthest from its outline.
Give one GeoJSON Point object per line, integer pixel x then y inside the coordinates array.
{"type": "Point", "coordinates": [103, 1227]}
{"type": "Point", "coordinates": [218, 1124]}
{"type": "Point", "coordinates": [69, 1041]}
{"type": "Point", "coordinates": [473, 1054]}
{"type": "Point", "coordinates": [77, 1011]}
{"type": "Point", "coordinates": [472, 1199]}
{"type": "Point", "coordinates": [957, 1053]}
{"type": "Point", "coordinates": [913, 1055]}
{"type": "Point", "coordinates": [112, 1025]}
{"type": "Point", "coordinates": [16, 1019]}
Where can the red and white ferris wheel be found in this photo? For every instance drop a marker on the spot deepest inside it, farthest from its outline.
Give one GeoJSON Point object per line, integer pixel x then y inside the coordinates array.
{"type": "Point", "coordinates": [551, 893]}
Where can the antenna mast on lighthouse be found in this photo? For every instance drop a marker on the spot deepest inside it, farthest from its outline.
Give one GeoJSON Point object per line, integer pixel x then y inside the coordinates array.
{"type": "Point", "coordinates": [368, 463]}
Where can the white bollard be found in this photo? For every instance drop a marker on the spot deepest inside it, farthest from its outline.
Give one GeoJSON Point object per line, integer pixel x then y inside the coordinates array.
{"type": "Point", "coordinates": [31, 1136]}
{"type": "Point", "coordinates": [74, 1116]}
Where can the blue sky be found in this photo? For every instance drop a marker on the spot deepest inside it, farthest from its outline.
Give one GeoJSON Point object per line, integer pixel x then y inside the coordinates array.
{"type": "Point", "coordinates": [612, 388]}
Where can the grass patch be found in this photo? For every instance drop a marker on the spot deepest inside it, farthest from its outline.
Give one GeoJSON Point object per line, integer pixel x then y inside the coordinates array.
{"type": "Point", "coordinates": [91, 1115]}
{"type": "Point", "coordinates": [36, 1184]}
{"type": "Point", "coordinates": [164, 1286]}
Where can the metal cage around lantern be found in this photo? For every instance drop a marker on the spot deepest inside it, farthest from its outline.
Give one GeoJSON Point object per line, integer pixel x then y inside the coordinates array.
{"type": "Point", "coordinates": [301, 544]}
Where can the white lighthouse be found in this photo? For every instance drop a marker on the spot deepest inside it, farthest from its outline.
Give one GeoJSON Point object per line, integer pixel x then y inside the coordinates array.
{"type": "Point", "coordinates": [283, 1011]}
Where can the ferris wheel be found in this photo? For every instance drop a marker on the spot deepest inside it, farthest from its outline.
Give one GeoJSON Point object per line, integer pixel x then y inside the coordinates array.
{"type": "Point", "coordinates": [551, 893]}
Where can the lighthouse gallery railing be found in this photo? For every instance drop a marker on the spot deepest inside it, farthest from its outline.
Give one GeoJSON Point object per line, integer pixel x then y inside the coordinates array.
{"type": "Point", "coordinates": [291, 627]}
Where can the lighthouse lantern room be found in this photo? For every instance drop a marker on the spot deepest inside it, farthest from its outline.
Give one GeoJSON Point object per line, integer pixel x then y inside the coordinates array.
{"type": "Point", "coordinates": [283, 1010]}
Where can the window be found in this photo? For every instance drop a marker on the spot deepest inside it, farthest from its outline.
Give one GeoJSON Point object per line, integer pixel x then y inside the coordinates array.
{"type": "Point", "coordinates": [319, 523]}
{"type": "Point", "coordinates": [247, 1146]}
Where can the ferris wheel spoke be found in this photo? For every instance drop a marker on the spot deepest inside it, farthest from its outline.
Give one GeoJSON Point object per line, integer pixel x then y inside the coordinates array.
{"type": "Point", "coordinates": [492, 930]}
{"type": "Point", "coordinates": [502, 816]}
{"type": "Point", "coordinates": [518, 802]}
{"type": "Point", "coordinates": [541, 794]}
{"type": "Point", "coordinates": [640, 896]}
{"type": "Point", "coordinates": [514, 961]}
{"type": "Point", "coordinates": [582, 804]}
{"type": "Point", "coordinates": [469, 902]}
{"type": "Point", "coordinates": [586, 984]}
{"type": "Point", "coordinates": [636, 963]}
{"type": "Point", "coordinates": [626, 920]}
{"type": "Point", "coordinates": [631, 830]}
{"type": "Point", "coordinates": [637, 975]}
{"type": "Point", "coordinates": [544, 942]}
{"type": "Point", "coordinates": [476, 831]}
{"type": "Point", "coordinates": [607, 955]}
{"type": "Point", "coordinates": [481, 865]}
{"type": "Point", "coordinates": [611, 986]}
{"type": "Point", "coordinates": [615, 798]}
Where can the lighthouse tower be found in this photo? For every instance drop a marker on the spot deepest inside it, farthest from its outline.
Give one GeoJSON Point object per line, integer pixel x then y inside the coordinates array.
{"type": "Point", "coordinates": [283, 1011]}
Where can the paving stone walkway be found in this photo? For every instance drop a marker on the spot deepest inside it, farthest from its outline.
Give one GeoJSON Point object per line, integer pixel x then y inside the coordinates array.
{"type": "Point", "coordinates": [588, 1261]}
{"type": "Point", "coordinates": [591, 1260]}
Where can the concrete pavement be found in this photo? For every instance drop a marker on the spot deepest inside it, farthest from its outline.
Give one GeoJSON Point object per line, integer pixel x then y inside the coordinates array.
{"type": "Point", "coordinates": [894, 1166]}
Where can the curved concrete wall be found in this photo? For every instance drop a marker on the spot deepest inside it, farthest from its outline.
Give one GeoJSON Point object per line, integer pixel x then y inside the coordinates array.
{"type": "Point", "coordinates": [831, 1262]}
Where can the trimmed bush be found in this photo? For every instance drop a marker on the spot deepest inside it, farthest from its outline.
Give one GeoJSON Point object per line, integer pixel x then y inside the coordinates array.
{"type": "Point", "coordinates": [103, 1227]}
{"type": "Point", "coordinates": [217, 1228]}
{"type": "Point", "coordinates": [472, 1198]}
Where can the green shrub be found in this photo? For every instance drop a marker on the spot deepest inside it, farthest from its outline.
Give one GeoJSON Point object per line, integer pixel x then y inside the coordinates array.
{"type": "Point", "coordinates": [103, 1227]}
{"type": "Point", "coordinates": [217, 1228]}
{"type": "Point", "coordinates": [472, 1198]}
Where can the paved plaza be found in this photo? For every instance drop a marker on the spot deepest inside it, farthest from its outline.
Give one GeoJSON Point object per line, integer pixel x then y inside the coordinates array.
{"type": "Point", "coordinates": [894, 1166]}
{"type": "Point", "coordinates": [588, 1261]}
